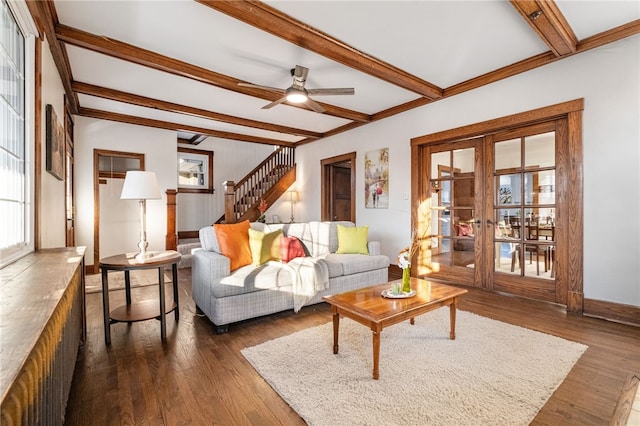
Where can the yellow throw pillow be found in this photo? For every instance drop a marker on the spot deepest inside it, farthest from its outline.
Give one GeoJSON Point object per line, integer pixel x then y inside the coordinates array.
{"type": "Point", "coordinates": [352, 239]}
{"type": "Point", "coordinates": [264, 247]}
{"type": "Point", "coordinates": [233, 240]}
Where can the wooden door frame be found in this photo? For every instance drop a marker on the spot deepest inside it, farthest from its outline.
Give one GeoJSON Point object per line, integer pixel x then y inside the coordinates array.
{"type": "Point", "coordinates": [96, 197]}
{"type": "Point", "coordinates": [326, 184]}
{"type": "Point", "coordinates": [69, 192]}
{"type": "Point", "coordinates": [569, 187]}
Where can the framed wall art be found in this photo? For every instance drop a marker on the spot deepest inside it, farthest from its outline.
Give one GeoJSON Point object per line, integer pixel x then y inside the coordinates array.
{"type": "Point", "coordinates": [55, 144]}
{"type": "Point", "coordinates": [195, 171]}
{"type": "Point", "coordinates": [376, 179]}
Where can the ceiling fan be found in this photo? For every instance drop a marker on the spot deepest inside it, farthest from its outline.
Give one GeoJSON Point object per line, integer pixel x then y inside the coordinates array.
{"type": "Point", "coordinates": [297, 94]}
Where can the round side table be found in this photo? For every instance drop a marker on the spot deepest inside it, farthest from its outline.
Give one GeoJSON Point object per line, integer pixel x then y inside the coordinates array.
{"type": "Point", "coordinates": [145, 310]}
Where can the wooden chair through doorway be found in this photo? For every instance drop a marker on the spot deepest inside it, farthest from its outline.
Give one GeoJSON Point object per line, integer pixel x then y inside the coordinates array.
{"type": "Point", "coordinates": [547, 251]}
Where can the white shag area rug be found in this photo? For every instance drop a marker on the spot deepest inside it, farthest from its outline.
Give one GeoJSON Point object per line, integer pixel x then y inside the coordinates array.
{"type": "Point", "coordinates": [492, 374]}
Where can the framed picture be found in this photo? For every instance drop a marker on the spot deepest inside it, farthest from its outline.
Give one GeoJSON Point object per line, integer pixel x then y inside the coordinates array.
{"type": "Point", "coordinates": [55, 144]}
{"type": "Point", "coordinates": [376, 179]}
{"type": "Point", "coordinates": [505, 194]}
{"type": "Point", "coordinates": [195, 171]}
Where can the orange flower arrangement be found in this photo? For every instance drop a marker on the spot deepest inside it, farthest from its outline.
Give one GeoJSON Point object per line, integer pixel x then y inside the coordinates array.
{"type": "Point", "coordinates": [262, 207]}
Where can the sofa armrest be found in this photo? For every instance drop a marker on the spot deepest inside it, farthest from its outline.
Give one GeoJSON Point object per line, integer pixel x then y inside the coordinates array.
{"type": "Point", "coordinates": [207, 269]}
{"type": "Point", "coordinates": [374, 248]}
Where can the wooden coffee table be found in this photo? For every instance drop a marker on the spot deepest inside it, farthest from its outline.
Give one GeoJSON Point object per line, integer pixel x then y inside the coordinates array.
{"type": "Point", "coordinates": [369, 308]}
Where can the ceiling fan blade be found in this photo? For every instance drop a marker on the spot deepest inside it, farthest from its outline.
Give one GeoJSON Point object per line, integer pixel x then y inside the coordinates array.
{"type": "Point", "coordinates": [333, 91]}
{"type": "Point", "coordinates": [274, 103]}
{"type": "Point", "coordinates": [257, 86]}
{"type": "Point", "coordinates": [314, 105]}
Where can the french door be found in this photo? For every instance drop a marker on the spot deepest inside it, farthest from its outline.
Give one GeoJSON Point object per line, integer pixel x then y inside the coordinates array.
{"type": "Point", "coordinates": [524, 211]}
{"type": "Point", "coordinates": [493, 211]}
{"type": "Point", "coordinates": [455, 228]}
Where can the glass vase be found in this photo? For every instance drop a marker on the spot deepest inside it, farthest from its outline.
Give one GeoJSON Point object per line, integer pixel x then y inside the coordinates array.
{"type": "Point", "coordinates": [406, 279]}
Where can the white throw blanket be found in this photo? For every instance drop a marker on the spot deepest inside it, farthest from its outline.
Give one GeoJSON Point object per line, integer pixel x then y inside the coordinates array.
{"type": "Point", "coordinates": [308, 275]}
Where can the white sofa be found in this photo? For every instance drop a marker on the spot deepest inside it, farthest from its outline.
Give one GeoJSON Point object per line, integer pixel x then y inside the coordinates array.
{"type": "Point", "coordinates": [252, 291]}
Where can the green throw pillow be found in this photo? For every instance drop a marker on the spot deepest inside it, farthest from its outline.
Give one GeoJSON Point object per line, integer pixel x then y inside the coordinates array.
{"type": "Point", "coordinates": [264, 247]}
{"type": "Point", "coordinates": [352, 239]}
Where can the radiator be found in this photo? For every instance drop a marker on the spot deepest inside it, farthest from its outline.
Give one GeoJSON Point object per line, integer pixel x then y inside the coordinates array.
{"type": "Point", "coordinates": [36, 393]}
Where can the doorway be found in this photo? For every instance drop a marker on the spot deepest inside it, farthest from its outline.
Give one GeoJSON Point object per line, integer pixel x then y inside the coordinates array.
{"type": "Point", "coordinates": [338, 188]}
{"type": "Point", "coordinates": [493, 201]}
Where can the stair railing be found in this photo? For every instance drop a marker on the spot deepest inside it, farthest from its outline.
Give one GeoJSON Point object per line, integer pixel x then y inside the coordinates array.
{"type": "Point", "coordinates": [244, 196]}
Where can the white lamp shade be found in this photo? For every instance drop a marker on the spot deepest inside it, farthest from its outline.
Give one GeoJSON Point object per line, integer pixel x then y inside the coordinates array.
{"type": "Point", "coordinates": [293, 196]}
{"type": "Point", "coordinates": [140, 185]}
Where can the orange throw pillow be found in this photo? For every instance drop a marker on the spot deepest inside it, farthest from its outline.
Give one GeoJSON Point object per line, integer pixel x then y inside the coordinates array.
{"type": "Point", "coordinates": [233, 240]}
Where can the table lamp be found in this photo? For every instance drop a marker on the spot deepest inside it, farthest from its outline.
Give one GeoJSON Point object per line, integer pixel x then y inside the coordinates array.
{"type": "Point", "coordinates": [293, 199]}
{"type": "Point", "coordinates": [141, 186]}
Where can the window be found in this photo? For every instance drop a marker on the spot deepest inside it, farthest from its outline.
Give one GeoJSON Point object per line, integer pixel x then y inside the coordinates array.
{"type": "Point", "coordinates": [195, 171]}
{"type": "Point", "coordinates": [16, 147]}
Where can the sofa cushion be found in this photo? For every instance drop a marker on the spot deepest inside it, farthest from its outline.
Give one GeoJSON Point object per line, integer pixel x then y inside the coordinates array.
{"type": "Point", "coordinates": [264, 246]}
{"type": "Point", "coordinates": [354, 263]}
{"type": "Point", "coordinates": [208, 239]}
{"type": "Point", "coordinates": [233, 239]}
{"type": "Point", "coordinates": [325, 236]}
{"type": "Point", "coordinates": [249, 278]}
{"type": "Point", "coordinates": [352, 240]}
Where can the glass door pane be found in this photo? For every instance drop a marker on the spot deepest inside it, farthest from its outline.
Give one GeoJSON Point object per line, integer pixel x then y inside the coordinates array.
{"type": "Point", "coordinates": [453, 212]}
{"type": "Point", "coordinates": [524, 206]}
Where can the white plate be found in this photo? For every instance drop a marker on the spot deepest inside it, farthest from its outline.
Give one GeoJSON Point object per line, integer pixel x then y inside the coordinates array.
{"type": "Point", "coordinates": [389, 294]}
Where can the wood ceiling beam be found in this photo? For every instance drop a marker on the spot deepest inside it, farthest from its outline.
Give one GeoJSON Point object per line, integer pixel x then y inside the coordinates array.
{"type": "Point", "coordinates": [548, 22]}
{"type": "Point", "coordinates": [271, 20]}
{"type": "Point", "coordinates": [597, 40]}
{"type": "Point", "coordinates": [129, 98]}
{"type": "Point", "coordinates": [618, 33]}
{"type": "Point", "coordinates": [167, 125]}
{"type": "Point", "coordinates": [47, 18]}
{"type": "Point", "coordinates": [147, 58]}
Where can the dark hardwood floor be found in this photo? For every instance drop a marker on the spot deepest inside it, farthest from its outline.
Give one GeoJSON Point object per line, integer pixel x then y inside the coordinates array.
{"type": "Point", "coordinates": [199, 378]}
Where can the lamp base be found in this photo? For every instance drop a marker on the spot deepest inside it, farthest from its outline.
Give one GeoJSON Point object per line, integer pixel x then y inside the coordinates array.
{"type": "Point", "coordinates": [144, 255]}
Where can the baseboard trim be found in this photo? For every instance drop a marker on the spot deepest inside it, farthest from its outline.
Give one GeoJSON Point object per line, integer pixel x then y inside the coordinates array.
{"type": "Point", "coordinates": [610, 311]}
{"type": "Point", "coordinates": [617, 312]}
{"type": "Point", "coordinates": [188, 234]}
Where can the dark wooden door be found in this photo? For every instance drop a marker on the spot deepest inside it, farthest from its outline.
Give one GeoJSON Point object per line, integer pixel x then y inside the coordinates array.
{"type": "Point", "coordinates": [338, 187]}
{"type": "Point", "coordinates": [341, 197]}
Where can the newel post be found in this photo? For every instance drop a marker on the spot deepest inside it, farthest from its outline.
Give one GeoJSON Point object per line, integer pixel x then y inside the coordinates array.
{"type": "Point", "coordinates": [171, 239]}
{"type": "Point", "coordinates": [229, 201]}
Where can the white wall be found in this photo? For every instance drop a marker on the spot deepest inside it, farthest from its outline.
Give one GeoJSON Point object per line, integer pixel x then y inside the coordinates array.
{"type": "Point", "coordinates": [52, 208]}
{"type": "Point", "coordinates": [607, 78]}
{"type": "Point", "coordinates": [232, 160]}
{"type": "Point", "coordinates": [120, 233]}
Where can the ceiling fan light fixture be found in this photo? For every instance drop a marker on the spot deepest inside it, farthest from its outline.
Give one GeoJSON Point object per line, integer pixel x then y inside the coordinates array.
{"type": "Point", "coordinates": [296, 96]}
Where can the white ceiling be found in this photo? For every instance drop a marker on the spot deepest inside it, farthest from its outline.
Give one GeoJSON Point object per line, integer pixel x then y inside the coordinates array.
{"type": "Point", "coordinates": [442, 42]}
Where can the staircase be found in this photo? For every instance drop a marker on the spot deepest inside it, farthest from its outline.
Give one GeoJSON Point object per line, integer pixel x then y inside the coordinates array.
{"type": "Point", "coordinates": [268, 181]}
